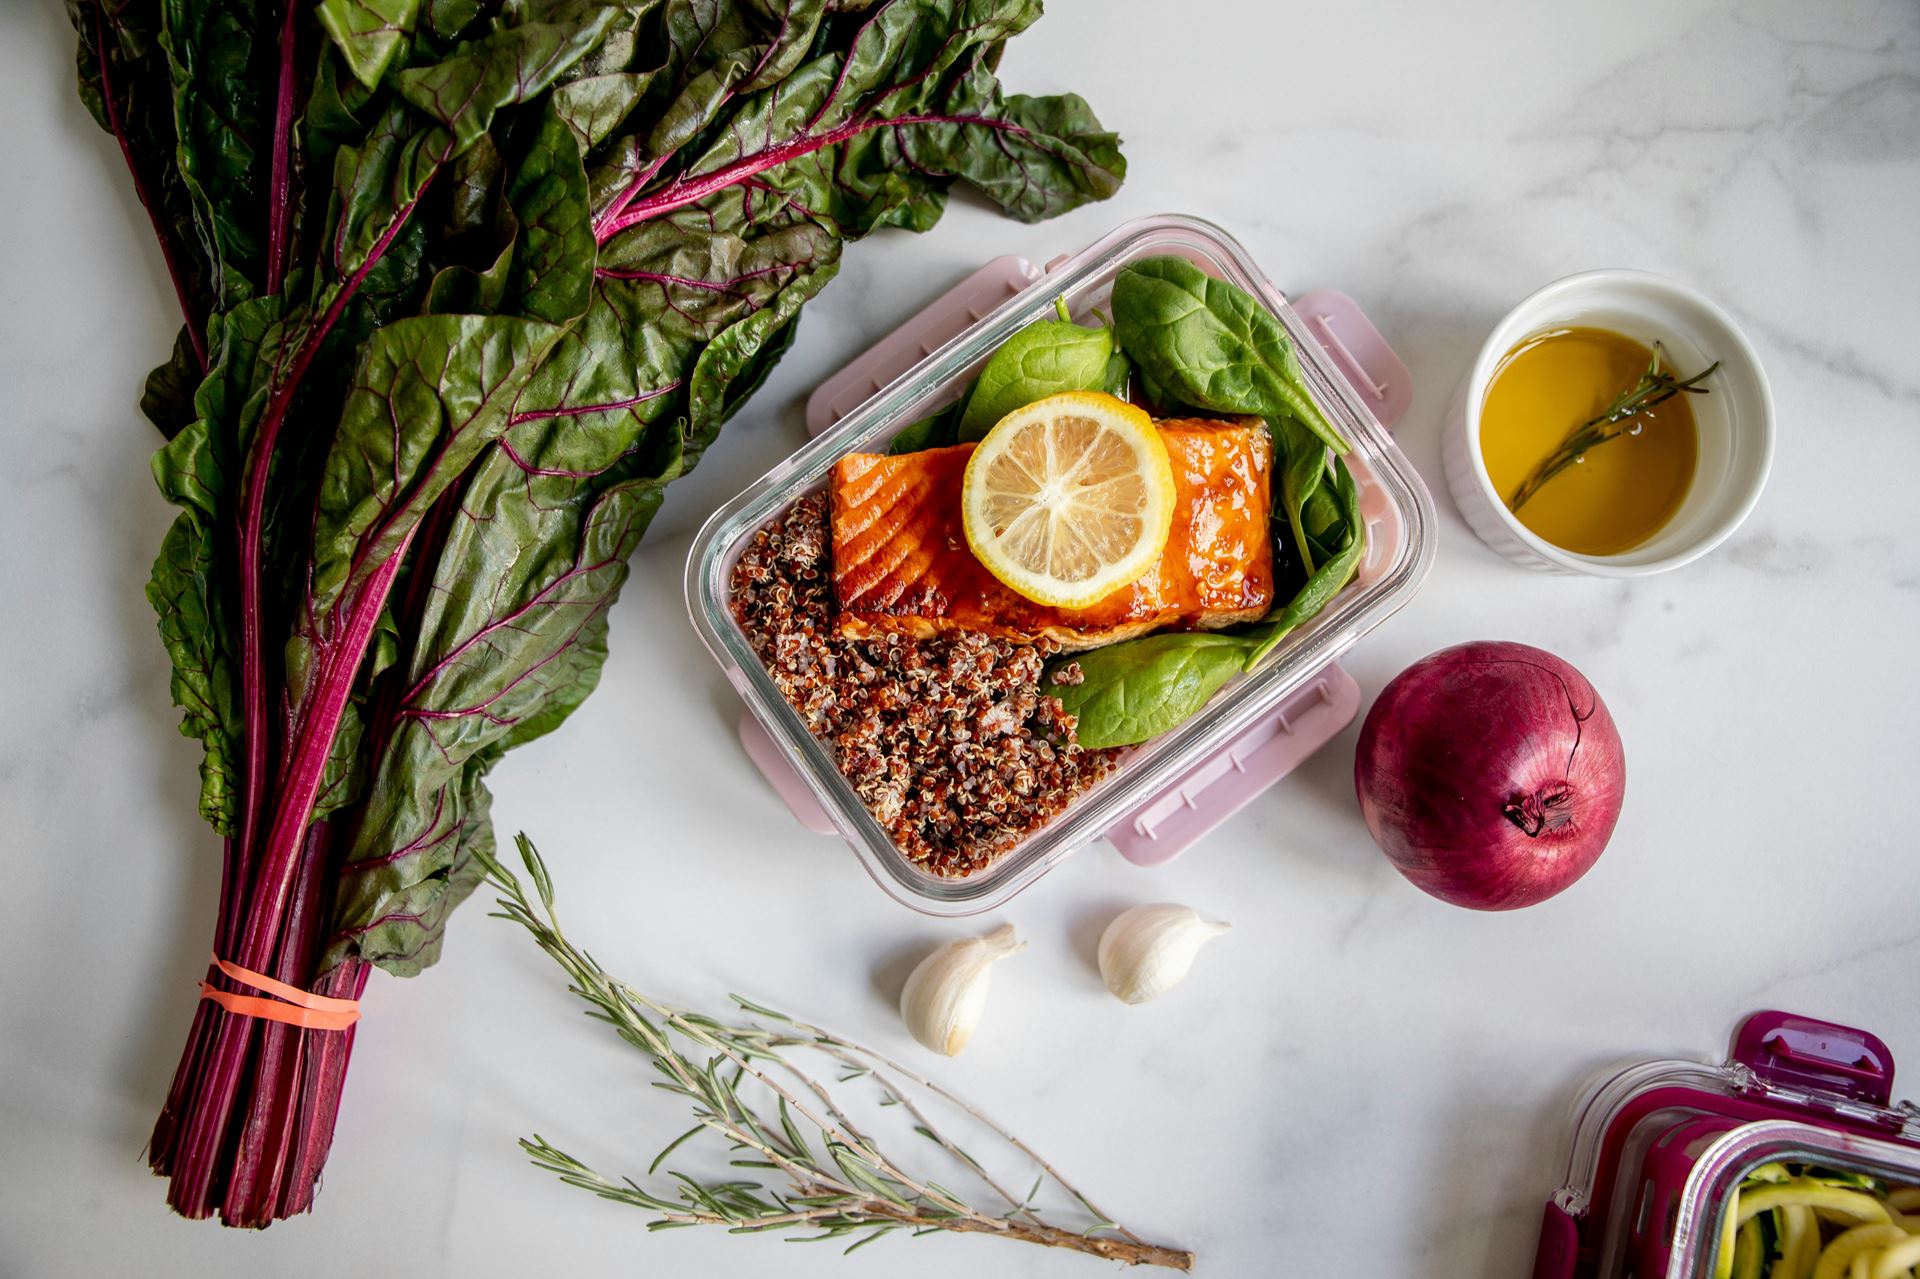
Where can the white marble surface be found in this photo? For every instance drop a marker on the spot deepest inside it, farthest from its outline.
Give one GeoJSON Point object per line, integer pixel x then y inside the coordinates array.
{"type": "Point", "coordinates": [1359, 1079]}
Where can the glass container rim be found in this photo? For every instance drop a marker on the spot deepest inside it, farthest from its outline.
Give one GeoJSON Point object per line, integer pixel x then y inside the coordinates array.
{"type": "Point", "coordinates": [1153, 766]}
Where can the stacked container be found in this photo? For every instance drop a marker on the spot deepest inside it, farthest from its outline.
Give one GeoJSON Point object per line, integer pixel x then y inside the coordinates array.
{"type": "Point", "coordinates": [1660, 1148]}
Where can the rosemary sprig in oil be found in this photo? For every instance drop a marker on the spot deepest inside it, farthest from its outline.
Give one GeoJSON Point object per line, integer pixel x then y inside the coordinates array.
{"type": "Point", "coordinates": [749, 1088]}
{"type": "Point", "coordinates": [1656, 386]}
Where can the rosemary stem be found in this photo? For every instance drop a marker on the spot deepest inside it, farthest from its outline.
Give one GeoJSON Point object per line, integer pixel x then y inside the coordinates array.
{"type": "Point", "coordinates": [979, 1115]}
{"type": "Point", "coordinates": [844, 1187]}
{"type": "Point", "coordinates": [1656, 386]}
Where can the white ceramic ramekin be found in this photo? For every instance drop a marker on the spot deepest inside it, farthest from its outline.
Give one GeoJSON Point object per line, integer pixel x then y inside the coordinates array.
{"type": "Point", "coordinates": [1735, 422]}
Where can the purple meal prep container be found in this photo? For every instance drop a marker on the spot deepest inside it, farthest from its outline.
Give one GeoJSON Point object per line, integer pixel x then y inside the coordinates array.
{"type": "Point", "coordinates": [1165, 793]}
{"type": "Point", "coordinates": [1660, 1147]}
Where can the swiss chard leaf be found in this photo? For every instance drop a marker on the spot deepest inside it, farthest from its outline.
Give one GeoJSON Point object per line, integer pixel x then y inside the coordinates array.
{"type": "Point", "coordinates": [197, 471]}
{"type": "Point", "coordinates": [1048, 154]}
{"type": "Point", "coordinates": [167, 395]}
{"type": "Point", "coordinates": [376, 185]}
{"type": "Point", "coordinates": [552, 273]}
{"type": "Point", "coordinates": [512, 642]}
{"type": "Point", "coordinates": [370, 34]}
{"type": "Point", "coordinates": [692, 285]}
{"type": "Point", "coordinates": [188, 600]}
{"type": "Point", "coordinates": [508, 65]}
{"type": "Point", "coordinates": [751, 374]}
{"type": "Point", "coordinates": [453, 380]}
{"type": "Point", "coordinates": [126, 82]}
{"type": "Point", "coordinates": [219, 64]}
{"type": "Point", "coordinates": [403, 933]}
{"type": "Point", "coordinates": [595, 106]}
{"type": "Point", "coordinates": [709, 52]}
{"type": "Point", "coordinates": [733, 357]}
{"type": "Point", "coordinates": [514, 632]}
{"type": "Point", "coordinates": [719, 51]}
{"type": "Point", "coordinates": [873, 134]}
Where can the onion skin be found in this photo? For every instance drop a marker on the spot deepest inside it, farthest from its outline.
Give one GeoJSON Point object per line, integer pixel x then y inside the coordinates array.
{"type": "Point", "coordinates": [1491, 774]}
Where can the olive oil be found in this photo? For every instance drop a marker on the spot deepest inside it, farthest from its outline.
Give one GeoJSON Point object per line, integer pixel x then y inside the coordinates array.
{"type": "Point", "coordinates": [1618, 494]}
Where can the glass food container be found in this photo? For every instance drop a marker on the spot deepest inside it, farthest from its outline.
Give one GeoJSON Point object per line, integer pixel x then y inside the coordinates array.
{"type": "Point", "coordinates": [1660, 1147]}
{"type": "Point", "coordinates": [1250, 729]}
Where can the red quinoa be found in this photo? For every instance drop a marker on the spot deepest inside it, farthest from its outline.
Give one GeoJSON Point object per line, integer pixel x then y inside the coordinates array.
{"type": "Point", "coordinates": [949, 742]}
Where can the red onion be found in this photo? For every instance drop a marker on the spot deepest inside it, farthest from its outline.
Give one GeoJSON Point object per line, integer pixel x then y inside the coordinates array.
{"type": "Point", "coordinates": [1491, 774]}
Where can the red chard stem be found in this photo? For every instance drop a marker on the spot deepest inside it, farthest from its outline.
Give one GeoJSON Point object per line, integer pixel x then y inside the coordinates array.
{"type": "Point", "coordinates": [279, 193]}
{"type": "Point", "coordinates": [690, 190]}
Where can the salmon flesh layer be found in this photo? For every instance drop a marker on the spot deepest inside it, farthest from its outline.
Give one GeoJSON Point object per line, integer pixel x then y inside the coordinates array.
{"type": "Point", "coordinates": [901, 561]}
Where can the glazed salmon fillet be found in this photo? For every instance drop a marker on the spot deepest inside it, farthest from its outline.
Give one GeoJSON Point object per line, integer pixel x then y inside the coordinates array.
{"type": "Point", "coordinates": [901, 563]}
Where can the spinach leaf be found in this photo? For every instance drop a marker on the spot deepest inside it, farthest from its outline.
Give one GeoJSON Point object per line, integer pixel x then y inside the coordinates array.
{"type": "Point", "coordinates": [1325, 581]}
{"type": "Point", "coordinates": [935, 431]}
{"type": "Point", "coordinates": [1137, 689]}
{"type": "Point", "coordinates": [1156, 399]}
{"type": "Point", "coordinates": [1212, 345]}
{"type": "Point", "coordinates": [1301, 494]}
{"type": "Point", "coordinates": [1119, 375]}
{"type": "Point", "coordinates": [1045, 358]}
{"type": "Point", "coordinates": [1324, 525]}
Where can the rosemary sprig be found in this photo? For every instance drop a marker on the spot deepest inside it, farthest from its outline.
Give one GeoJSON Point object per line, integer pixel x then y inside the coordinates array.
{"type": "Point", "coordinates": [1656, 386]}
{"type": "Point", "coordinates": [748, 1087]}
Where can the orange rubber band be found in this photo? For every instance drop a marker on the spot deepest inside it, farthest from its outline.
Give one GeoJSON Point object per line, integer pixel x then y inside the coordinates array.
{"type": "Point", "coordinates": [294, 1006]}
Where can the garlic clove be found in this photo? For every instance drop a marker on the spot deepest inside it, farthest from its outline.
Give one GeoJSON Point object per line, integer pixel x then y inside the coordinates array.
{"type": "Point", "coordinates": [946, 993]}
{"type": "Point", "coordinates": [1145, 951]}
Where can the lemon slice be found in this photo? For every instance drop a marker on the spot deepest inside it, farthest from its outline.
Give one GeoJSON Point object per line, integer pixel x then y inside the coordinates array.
{"type": "Point", "coordinates": [1069, 499]}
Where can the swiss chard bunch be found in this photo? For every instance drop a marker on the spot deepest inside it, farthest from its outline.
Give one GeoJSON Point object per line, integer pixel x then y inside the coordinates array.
{"type": "Point", "coordinates": [465, 285]}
